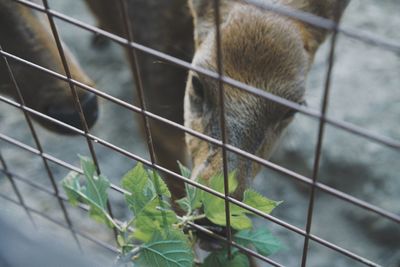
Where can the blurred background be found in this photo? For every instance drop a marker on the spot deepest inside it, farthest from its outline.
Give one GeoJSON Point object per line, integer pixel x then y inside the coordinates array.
{"type": "Point", "coordinates": [365, 91]}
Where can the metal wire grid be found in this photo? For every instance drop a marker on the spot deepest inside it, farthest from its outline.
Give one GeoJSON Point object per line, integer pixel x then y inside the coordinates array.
{"type": "Point", "coordinates": [133, 46]}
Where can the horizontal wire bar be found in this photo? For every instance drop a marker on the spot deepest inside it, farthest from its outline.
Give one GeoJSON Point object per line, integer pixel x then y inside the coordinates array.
{"type": "Point", "coordinates": [278, 168]}
{"type": "Point", "coordinates": [267, 216]}
{"type": "Point", "coordinates": [307, 111]}
{"type": "Point", "coordinates": [358, 202]}
{"type": "Point", "coordinates": [203, 229]}
{"type": "Point", "coordinates": [343, 251]}
{"type": "Point", "coordinates": [29, 182]}
{"type": "Point", "coordinates": [320, 22]}
{"type": "Point", "coordinates": [264, 162]}
{"type": "Point", "coordinates": [346, 126]}
{"type": "Point", "coordinates": [309, 18]}
{"type": "Point", "coordinates": [242, 86]}
{"type": "Point", "coordinates": [74, 94]}
{"type": "Point", "coordinates": [52, 159]}
{"type": "Point", "coordinates": [253, 210]}
{"type": "Point", "coordinates": [233, 243]}
{"type": "Point", "coordinates": [291, 174]}
{"type": "Point", "coordinates": [313, 237]}
{"type": "Point", "coordinates": [38, 145]}
{"type": "Point", "coordinates": [16, 190]}
{"type": "Point", "coordinates": [79, 233]}
{"type": "Point", "coordinates": [334, 192]}
{"type": "Point", "coordinates": [86, 208]}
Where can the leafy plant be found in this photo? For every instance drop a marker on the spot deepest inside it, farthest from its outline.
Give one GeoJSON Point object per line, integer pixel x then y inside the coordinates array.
{"type": "Point", "coordinates": [156, 235]}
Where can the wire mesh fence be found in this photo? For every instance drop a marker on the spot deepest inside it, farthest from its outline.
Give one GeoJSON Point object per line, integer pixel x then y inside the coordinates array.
{"type": "Point", "coordinates": [133, 48]}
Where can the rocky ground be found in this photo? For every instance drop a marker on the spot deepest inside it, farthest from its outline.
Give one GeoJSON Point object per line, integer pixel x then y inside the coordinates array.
{"type": "Point", "coordinates": [365, 92]}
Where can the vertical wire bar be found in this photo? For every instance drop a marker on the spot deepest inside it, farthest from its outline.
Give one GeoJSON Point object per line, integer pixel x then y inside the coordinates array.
{"type": "Point", "coordinates": [40, 148]}
{"type": "Point", "coordinates": [16, 190]}
{"type": "Point", "coordinates": [76, 100]}
{"type": "Point", "coordinates": [217, 21]}
{"type": "Point", "coordinates": [321, 130]}
{"type": "Point", "coordinates": [133, 59]}
{"type": "Point", "coordinates": [139, 88]}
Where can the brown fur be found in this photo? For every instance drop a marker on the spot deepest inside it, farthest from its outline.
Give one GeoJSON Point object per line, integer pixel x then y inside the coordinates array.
{"type": "Point", "coordinates": [24, 35]}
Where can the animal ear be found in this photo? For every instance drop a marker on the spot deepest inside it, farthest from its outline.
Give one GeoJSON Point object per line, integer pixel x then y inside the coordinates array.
{"type": "Point", "coordinates": [203, 18]}
{"type": "Point", "coordinates": [313, 36]}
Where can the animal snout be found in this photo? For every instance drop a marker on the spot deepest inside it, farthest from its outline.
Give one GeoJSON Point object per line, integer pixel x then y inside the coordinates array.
{"type": "Point", "coordinates": [70, 115]}
{"type": "Point", "coordinates": [212, 165]}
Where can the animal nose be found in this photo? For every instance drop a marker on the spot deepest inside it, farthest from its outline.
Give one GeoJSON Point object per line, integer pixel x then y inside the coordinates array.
{"type": "Point", "coordinates": [70, 114]}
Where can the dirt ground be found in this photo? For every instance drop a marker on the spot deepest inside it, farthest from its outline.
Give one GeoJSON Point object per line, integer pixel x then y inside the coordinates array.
{"type": "Point", "coordinates": [365, 91]}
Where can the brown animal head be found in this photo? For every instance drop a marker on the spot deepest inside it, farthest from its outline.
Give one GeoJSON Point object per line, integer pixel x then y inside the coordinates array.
{"type": "Point", "coordinates": [259, 48]}
{"type": "Point", "coordinates": [23, 34]}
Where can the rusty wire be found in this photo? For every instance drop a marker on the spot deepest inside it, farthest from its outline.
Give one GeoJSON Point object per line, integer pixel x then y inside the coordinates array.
{"type": "Point", "coordinates": [321, 130]}
{"type": "Point", "coordinates": [16, 189]}
{"type": "Point", "coordinates": [290, 174]}
{"type": "Point", "coordinates": [239, 85]}
{"type": "Point", "coordinates": [332, 191]}
{"type": "Point", "coordinates": [217, 22]}
{"type": "Point", "coordinates": [132, 46]}
{"type": "Point", "coordinates": [76, 100]}
{"type": "Point", "coordinates": [40, 149]}
{"type": "Point", "coordinates": [195, 226]}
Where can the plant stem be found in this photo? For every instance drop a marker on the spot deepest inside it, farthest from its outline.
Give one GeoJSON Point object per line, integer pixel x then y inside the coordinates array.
{"type": "Point", "coordinates": [126, 258]}
{"type": "Point", "coordinates": [130, 222]}
{"type": "Point", "coordinates": [197, 217]}
{"type": "Point", "coordinates": [185, 219]}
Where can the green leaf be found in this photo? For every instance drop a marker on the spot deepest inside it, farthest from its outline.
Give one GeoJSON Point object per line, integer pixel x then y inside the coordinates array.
{"type": "Point", "coordinates": [258, 201]}
{"type": "Point", "coordinates": [184, 204]}
{"type": "Point", "coordinates": [120, 240]}
{"type": "Point", "coordinates": [88, 166]}
{"type": "Point", "coordinates": [141, 184]}
{"type": "Point", "coordinates": [214, 207]}
{"type": "Point", "coordinates": [262, 239]}
{"type": "Point", "coordinates": [220, 259]}
{"type": "Point", "coordinates": [96, 190]}
{"type": "Point", "coordinates": [137, 182]}
{"type": "Point", "coordinates": [217, 182]}
{"type": "Point", "coordinates": [152, 214]}
{"type": "Point", "coordinates": [96, 186]}
{"type": "Point", "coordinates": [216, 214]}
{"type": "Point", "coordinates": [192, 200]}
{"type": "Point", "coordinates": [151, 220]}
{"type": "Point", "coordinates": [71, 186]}
{"type": "Point", "coordinates": [170, 251]}
{"type": "Point", "coordinates": [158, 181]}
{"type": "Point", "coordinates": [193, 194]}
{"type": "Point", "coordinates": [94, 193]}
{"type": "Point", "coordinates": [184, 170]}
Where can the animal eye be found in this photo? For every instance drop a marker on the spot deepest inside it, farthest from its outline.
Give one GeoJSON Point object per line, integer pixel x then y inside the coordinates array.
{"type": "Point", "coordinates": [198, 87]}
{"type": "Point", "coordinates": [289, 114]}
